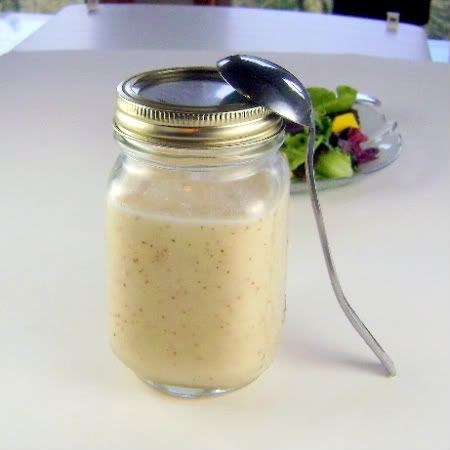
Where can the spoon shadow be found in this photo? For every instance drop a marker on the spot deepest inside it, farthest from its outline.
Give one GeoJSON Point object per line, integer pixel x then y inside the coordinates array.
{"type": "Point", "coordinates": [320, 355]}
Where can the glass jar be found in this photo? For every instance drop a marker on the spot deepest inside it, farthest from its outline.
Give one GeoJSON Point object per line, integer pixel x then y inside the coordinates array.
{"type": "Point", "coordinates": [196, 233]}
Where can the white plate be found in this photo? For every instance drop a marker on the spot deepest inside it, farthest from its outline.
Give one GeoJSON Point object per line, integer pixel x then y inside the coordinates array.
{"type": "Point", "coordinates": [382, 134]}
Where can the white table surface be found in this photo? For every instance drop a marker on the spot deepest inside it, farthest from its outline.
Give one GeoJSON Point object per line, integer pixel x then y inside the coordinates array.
{"type": "Point", "coordinates": [60, 385]}
{"type": "Point", "coordinates": [184, 27]}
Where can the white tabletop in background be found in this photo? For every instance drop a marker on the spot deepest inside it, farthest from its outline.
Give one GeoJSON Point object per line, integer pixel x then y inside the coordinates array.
{"type": "Point", "coordinates": [183, 27]}
{"type": "Point", "coordinates": [15, 27]}
{"type": "Point", "coordinates": [61, 387]}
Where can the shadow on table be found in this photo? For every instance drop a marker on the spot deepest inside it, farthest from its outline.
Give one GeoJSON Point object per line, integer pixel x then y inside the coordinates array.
{"type": "Point", "coordinates": [319, 354]}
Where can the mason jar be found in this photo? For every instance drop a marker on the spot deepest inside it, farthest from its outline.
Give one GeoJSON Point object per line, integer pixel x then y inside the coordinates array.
{"type": "Point", "coordinates": [196, 233]}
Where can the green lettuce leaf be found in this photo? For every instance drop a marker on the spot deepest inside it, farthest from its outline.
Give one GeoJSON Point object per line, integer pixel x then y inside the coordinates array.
{"type": "Point", "coordinates": [327, 102]}
{"type": "Point", "coordinates": [295, 149]}
{"type": "Point", "coordinates": [320, 96]}
{"type": "Point", "coordinates": [334, 164]}
{"type": "Point", "coordinates": [295, 146]}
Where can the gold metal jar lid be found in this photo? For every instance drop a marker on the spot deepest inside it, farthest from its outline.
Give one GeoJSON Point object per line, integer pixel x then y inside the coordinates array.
{"type": "Point", "coordinates": [189, 107]}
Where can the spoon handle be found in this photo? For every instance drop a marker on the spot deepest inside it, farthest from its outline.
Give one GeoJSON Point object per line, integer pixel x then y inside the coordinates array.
{"type": "Point", "coordinates": [358, 325]}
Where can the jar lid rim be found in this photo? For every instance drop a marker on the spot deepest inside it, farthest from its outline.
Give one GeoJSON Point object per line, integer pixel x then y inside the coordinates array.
{"type": "Point", "coordinates": [189, 105]}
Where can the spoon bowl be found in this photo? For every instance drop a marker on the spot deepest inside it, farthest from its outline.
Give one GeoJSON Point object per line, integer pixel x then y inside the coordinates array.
{"type": "Point", "coordinates": [268, 84]}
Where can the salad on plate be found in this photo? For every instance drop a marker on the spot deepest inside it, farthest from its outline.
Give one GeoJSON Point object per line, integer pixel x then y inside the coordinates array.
{"type": "Point", "coordinates": [339, 146]}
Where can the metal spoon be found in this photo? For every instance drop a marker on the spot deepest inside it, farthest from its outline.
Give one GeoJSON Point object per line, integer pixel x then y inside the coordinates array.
{"type": "Point", "coordinates": [267, 84]}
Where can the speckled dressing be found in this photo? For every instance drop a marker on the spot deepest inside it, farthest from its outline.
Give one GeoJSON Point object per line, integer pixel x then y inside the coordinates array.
{"type": "Point", "coordinates": [195, 302]}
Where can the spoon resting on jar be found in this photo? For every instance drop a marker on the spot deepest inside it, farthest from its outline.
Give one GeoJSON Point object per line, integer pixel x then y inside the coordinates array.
{"type": "Point", "coordinates": [270, 85]}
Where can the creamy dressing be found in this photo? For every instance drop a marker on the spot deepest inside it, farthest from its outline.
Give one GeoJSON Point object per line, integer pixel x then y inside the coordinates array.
{"type": "Point", "coordinates": [195, 302]}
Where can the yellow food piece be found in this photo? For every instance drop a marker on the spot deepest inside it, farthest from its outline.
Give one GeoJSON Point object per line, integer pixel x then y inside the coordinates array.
{"type": "Point", "coordinates": [343, 121]}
